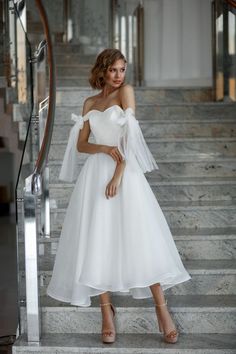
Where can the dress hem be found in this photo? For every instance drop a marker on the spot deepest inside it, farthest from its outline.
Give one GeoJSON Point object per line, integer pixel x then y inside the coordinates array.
{"type": "Point", "coordinates": [128, 291]}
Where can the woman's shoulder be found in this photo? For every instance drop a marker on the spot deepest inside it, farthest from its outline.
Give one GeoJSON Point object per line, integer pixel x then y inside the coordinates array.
{"type": "Point", "coordinates": [126, 91]}
{"type": "Point", "coordinates": [88, 103]}
{"type": "Point", "coordinates": [127, 88]}
{"type": "Point", "coordinates": [127, 96]}
{"type": "Point", "coordinates": [90, 100]}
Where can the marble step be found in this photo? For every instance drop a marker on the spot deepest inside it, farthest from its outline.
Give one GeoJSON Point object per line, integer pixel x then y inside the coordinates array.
{"type": "Point", "coordinates": [175, 169]}
{"type": "Point", "coordinates": [191, 313]}
{"type": "Point", "coordinates": [75, 95]}
{"type": "Point", "coordinates": [71, 81]}
{"type": "Point", "coordinates": [167, 149]}
{"type": "Point", "coordinates": [73, 59]}
{"type": "Point", "coordinates": [69, 48]}
{"type": "Point", "coordinates": [175, 112]}
{"type": "Point", "coordinates": [212, 247]}
{"type": "Point", "coordinates": [190, 150]}
{"type": "Point", "coordinates": [206, 190]}
{"type": "Point", "coordinates": [180, 214]}
{"type": "Point", "coordinates": [201, 244]}
{"type": "Point", "coordinates": [148, 343]}
{"type": "Point", "coordinates": [168, 130]}
{"type": "Point", "coordinates": [208, 277]}
{"type": "Point", "coordinates": [73, 70]}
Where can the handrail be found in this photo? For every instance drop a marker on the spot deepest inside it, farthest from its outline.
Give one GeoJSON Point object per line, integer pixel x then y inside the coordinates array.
{"type": "Point", "coordinates": [232, 3]}
{"type": "Point", "coordinates": [44, 150]}
{"type": "Point", "coordinates": [37, 184]}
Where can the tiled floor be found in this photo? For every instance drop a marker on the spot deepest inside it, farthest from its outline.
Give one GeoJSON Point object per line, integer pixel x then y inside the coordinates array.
{"type": "Point", "coordinates": [8, 282]}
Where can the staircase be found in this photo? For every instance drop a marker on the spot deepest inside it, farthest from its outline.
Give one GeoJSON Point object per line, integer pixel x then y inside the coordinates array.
{"type": "Point", "coordinates": [194, 142]}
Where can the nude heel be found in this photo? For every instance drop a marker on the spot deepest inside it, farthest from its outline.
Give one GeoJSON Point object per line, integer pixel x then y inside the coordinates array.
{"type": "Point", "coordinates": [172, 336]}
{"type": "Point", "coordinates": [109, 336]}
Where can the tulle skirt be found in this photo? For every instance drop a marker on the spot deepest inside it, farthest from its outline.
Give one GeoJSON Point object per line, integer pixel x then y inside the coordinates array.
{"type": "Point", "coordinates": [122, 244]}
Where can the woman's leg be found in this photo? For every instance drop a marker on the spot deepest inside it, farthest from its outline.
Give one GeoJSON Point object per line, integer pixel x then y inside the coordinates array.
{"type": "Point", "coordinates": [163, 313]}
{"type": "Point", "coordinates": [107, 314]}
{"type": "Point", "coordinates": [104, 297]}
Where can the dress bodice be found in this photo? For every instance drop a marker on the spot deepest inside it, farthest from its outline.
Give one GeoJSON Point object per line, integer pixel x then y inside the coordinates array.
{"type": "Point", "coordinates": [106, 126]}
{"type": "Point", "coordinates": [114, 127]}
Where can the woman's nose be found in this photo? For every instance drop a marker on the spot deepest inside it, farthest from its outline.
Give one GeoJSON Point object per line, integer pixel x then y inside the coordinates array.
{"type": "Point", "coordinates": [117, 74]}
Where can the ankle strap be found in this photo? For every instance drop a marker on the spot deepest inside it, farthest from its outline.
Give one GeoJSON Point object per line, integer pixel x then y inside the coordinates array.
{"type": "Point", "coordinates": [161, 304]}
{"type": "Point", "coordinates": [106, 303]}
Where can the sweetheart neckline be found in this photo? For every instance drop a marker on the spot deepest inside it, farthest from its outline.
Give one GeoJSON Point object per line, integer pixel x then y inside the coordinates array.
{"type": "Point", "coordinates": [114, 105]}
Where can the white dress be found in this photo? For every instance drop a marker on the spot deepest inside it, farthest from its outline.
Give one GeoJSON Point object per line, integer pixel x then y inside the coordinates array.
{"type": "Point", "coordinates": [122, 244]}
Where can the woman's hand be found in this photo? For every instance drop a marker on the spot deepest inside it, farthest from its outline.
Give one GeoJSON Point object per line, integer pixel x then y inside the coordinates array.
{"type": "Point", "coordinates": [114, 152]}
{"type": "Point", "coordinates": [112, 187]}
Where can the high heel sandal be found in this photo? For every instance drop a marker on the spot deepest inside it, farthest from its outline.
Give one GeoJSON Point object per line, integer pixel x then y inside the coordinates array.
{"type": "Point", "coordinates": [172, 336]}
{"type": "Point", "coordinates": [109, 336]}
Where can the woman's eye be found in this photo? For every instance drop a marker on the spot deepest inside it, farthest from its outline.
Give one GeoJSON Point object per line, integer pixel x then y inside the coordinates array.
{"type": "Point", "coordinates": [113, 70]}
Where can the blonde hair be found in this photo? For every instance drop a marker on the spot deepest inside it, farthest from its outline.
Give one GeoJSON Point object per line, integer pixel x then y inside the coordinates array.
{"type": "Point", "coordinates": [105, 59]}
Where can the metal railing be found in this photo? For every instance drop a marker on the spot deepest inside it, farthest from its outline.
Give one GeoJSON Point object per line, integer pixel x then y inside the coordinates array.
{"type": "Point", "coordinates": [33, 177]}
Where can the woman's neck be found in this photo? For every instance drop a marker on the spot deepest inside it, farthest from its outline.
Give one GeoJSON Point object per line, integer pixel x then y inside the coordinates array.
{"type": "Point", "coordinates": [107, 90]}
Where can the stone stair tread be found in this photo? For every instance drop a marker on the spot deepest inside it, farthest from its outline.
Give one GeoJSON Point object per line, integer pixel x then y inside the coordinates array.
{"type": "Point", "coordinates": [217, 231]}
{"type": "Point", "coordinates": [181, 303]}
{"type": "Point", "coordinates": [211, 158]}
{"type": "Point", "coordinates": [207, 264]}
{"type": "Point", "coordinates": [213, 233]}
{"type": "Point", "coordinates": [79, 65]}
{"type": "Point", "coordinates": [69, 122]}
{"type": "Point", "coordinates": [169, 181]}
{"type": "Point", "coordinates": [198, 203]}
{"type": "Point", "coordinates": [148, 104]}
{"type": "Point", "coordinates": [72, 76]}
{"type": "Point", "coordinates": [206, 139]}
{"type": "Point", "coordinates": [182, 205]}
{"type": "Point", "coordinates": [176, 159]}
{"type": "Point", "coordinates": [55, 237]}
{"type": "Point", "coordinates": [134, 343]}
{"type": "Point", "coordinates": [162, 104]}
{"type": "Point", "coordinates": [143, 94]}
{"type": "Point", "coordinates": [191, 180]}
{"type": "Point", "coordinates": [165, 121]}
{"type": "Point", "coordinates": [202, 266]}
{"type": "Point", "coordinates": [156, 180]}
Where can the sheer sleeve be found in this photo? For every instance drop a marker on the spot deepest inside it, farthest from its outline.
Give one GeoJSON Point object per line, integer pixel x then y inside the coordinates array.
{"type": "Point", "coordinates": [131, 141]}
{"type": "Point", "coordinates": [70, 169]}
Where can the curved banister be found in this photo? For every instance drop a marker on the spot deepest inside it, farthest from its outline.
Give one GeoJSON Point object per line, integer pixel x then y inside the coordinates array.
{"type": "Point", "coordinates": [231, 3]}
{"type": "Point", "coordinates": [36, 220]}
{"type": "Point", "coordinates": [44, 150]}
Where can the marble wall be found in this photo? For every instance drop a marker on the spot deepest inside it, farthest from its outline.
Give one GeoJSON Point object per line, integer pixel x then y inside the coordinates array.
{"type": "Point", "coordinates": [90, 23]}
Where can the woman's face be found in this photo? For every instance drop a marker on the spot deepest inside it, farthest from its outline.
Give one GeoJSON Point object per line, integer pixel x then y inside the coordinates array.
{"type": "Point", "coordinates": [115, 74]}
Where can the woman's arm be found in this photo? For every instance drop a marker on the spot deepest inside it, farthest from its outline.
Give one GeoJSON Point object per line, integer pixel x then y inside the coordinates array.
{"type": "Point", "coordinates": [127, 99]}
{"type": "Point", "coordinates": [127, 96]}
{"type": "Point", "coordinates": [82, 144]}
{"type": "Point", "coordinates": [119, 169]}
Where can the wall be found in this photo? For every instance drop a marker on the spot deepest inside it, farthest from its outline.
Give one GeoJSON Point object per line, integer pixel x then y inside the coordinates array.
{"type": "Point", "coordinates": [178, 43]}
{"type": "Point", "coordinates": [91, 24]}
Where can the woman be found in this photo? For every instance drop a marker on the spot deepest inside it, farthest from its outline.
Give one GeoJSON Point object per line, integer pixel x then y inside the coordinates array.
{"type": "Point", "coordinates": [114, 236]}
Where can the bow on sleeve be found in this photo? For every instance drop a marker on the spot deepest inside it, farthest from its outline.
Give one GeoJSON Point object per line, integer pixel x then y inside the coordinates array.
{"type": "Point", "coordinates": [131, 141]}
{"type": "Point", "coordinates": [70, 169]}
